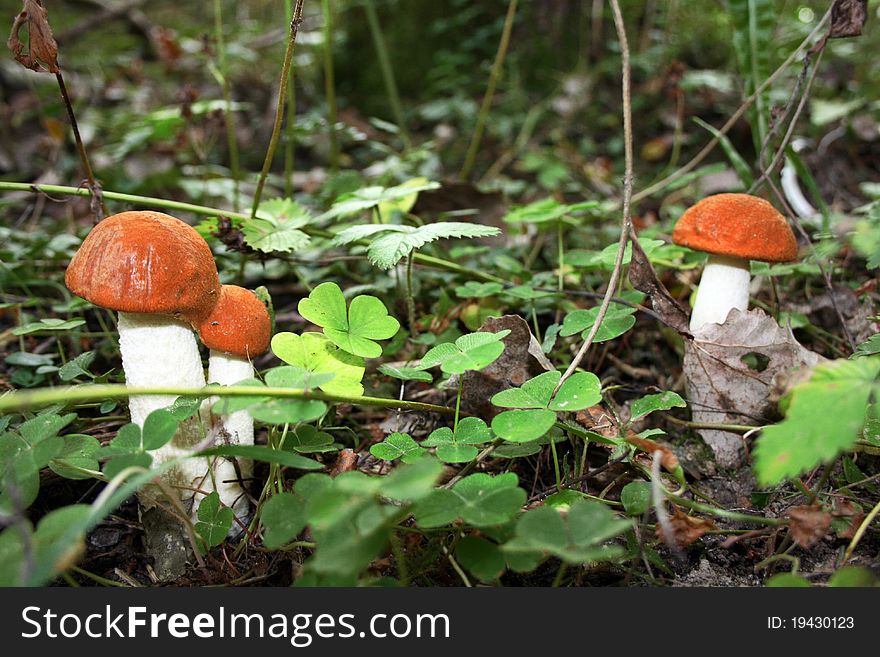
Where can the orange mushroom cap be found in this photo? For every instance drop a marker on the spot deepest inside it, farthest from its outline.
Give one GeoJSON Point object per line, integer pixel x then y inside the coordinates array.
{"type": "Point", "coordinates": [145, 262]}
{"type": "Point", "coordinates": [738, 226]}
{"type": "Point", "coordinates": [239, 324]}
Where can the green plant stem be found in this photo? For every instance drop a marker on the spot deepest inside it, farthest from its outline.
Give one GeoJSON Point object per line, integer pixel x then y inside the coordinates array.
{"type": "Point", "coordinates": [410, 298]}
{"type": "Point", "coordinates": [400, 558]}
{"type": "Point", "coordinates": [279, 110]}
{"type": "Point", "coordinates": [103, 581]}
{"type": "Point", "coordinates": [330, 84]}
{"type": "Point", "coordinates": [229, 116]}
{"type": "Point", "coordinates": [494, 75]}
{"type": "Point", "coordinates": [860, 532]}
{"type": "Point", "coordinates": [94, 189]}
{"type": "Point", "coordinates": [561, 257]}
{"type": "Point", "coordinates": [560, 575]}
{"type": "Point", "coordinates": [458, 403]}
{"type": "Point", "coordinates": [207, 211]}
{"type": "Point", "coordinates": [724, 513]}
{"type": "Point", "coordinates": [556, 465]}
{"type": "Point", "coordinates": [289, 136]}
{"type": "Point", "coordinates": [19, 400]}
{"type": "Point", "coordinates": [387, 71]}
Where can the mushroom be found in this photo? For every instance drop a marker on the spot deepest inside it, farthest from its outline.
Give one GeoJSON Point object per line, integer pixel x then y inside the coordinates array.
{"type": "Point", "coordinates": [159, 274]}
{"type": "Point", "coordinates": [733, 229]}
{"type": "Point", "coordinates": [237, 329]}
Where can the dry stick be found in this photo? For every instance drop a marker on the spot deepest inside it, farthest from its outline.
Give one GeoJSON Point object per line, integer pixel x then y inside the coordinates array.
{"type": "Point", "coordinates": [495, 73]}
{"type": "Point", "coordinates": [723, 130]}
{"type": "Point", "coordinates": [279, 111]}
{"type": "Point", "coordinates": [627, 194]}
{"type": "Point", "coordinates": [97, 204]}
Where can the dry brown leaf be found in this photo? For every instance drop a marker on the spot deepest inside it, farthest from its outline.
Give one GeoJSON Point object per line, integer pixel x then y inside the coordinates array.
{"type": "Point", "coordinates": [852, 512]}
{"type": "Point", "coordinates": [644, 279]}
{"type": "Point", "coordinates": [808, 524]}
{"type": "Point", "coordinates": [848, 18]}
{"type": "Point", "coordinates": [667, 458]}
{"type": "Point", "coordinates": [521, 360]}
{"type": "Point", "coordinates": [685, 529]}
{"type": "Point", "coordinates": [598, 420]}
{"type": "Point", "coordinates": [345, 462]}
{"type": "Point", "coordinates": [41, 54]}
{"type": "Point", "coordinates": [723, 389]}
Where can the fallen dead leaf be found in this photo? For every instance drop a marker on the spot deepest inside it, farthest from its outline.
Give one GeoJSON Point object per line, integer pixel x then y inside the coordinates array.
{"type": "Point", "coordinates": [685, 529]}
{"type": "Point", "coordinates": [730, 370]}
{"type": "Point", "coordinates": [847, 18]}
{"type": "Point", "coordinates": [644, 279]}
{"type": "Point", "coordinates": [42, 51]}
{"type": "Point", "coordinates": [667, 458]}
{"type": "Point", "coordinates": [345, 462]}
{"type": "Point", "coordinates": [521, 360]}
{"type": "Point", "coordinates": [808, 524]}
{"type": "Point", "coordinates": [853, 513]}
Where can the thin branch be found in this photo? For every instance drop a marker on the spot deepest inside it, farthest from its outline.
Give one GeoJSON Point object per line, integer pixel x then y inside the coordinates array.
{"type": "Point", "coordinates": [279, 110]}
{"type": "Point", "coordinates": [626, 220]}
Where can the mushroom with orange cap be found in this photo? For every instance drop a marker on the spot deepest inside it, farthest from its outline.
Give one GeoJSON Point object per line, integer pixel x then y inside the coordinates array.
{"type": "Point", "coordinates": [159, 274]}
{"type": "Point", "coordinates": [733, 229]}
{"type": "Point", "coordinates": [237, 330]}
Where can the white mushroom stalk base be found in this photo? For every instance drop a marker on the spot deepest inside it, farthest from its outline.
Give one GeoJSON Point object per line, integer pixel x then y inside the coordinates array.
{"type": "Point", "coordinates": [723, 287]}
{"type": "Point", "coordinates": [159, 351]}
{"type": "Point", "coordinates": [234, 429]}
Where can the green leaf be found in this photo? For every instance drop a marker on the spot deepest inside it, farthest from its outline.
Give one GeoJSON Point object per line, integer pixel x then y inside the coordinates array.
{"type": "Point", "coordinates": [114, 466]}
{"type": "Point", "coordinates": [480, 557]}
{"type": "Point", "coordinates": [743, 170]}
{"type": "Point", "coordinates": [475, 290]}
{"type": "Point", "coordinates": [753, 24]}
{"type": "Point", "coordinates": [78, 366]}
{"type": "Point", "coordinates": [576, 539]}
{"type": "Point", "coordinates": [391, 242]}
{"type": "Point", "coordinates": [266, 454]}
{"type": "Point", "coordinates": [371, 197]}
{"type": "Point", "coordinates": [283, 517]}
{"type": "Point", "coordinates": [811, 434]}
{"type": "Point", "coordinates": [405, 373]}
{"type": "Point", "coordinates": [159, 428]}
{"type": "Point", "coordinates": [472, 351]}
{"type": "Point", "coordinates": [316, 353]}
{"type": "Point", "coordinates": [662, 401]}
{"type": "Point", "coordinates": [367, 319]}
{"type": "Point", "coordinates": [618, 320]}
{"type": "Point", "coordinates": [579, 391]}
{"type": "Point", "coordinates": [523, 426]}
{"type": "Point", "coordinates": [787, 580]}
{"type": "Point", "coordinates": [287, 411]}
{"type": "Point", "coordinates": [298, 378]}
{"type": "Point", "coordinates": [276, 228]}
{"type": "Point", "coordinates": [853, 576]}
{"type": "Point", "coordinates": [307, 439]}
{"type": "Point", "coordinates": [534, 393]}
{"type": "Point", "coordinates": [48, 325]}
{"type": "Point", "coordinates": [409, 483]}
{"type": "Point", "coordinates": [545, 211]}
{"type": "Point", "coordinates": [636, 497]}
{"type": "Point", "coordinates": [398, 446]}
{"type": "Point", "coordinates": [869, 347]}
{"type": "Point", "coordinates": [480, 500]}
{"type": "Point", "coordinates": [214, 522]}
{"type": "Point", "coordinates": [77, 452]}
{"type": "Point", "coordinates": [403, 204]}
{"type": "Point", "coordinates": [455, 453]}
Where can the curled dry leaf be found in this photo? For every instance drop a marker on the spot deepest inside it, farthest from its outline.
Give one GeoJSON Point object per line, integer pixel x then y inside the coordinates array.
{"type": "Point", "coordinates": [852, 513]}
{"type": "Point", "coordinates": [808, 524]}
{"type": "Point", "coordinates": [598, 420]}
{"type": "Point", "coordinates": [521, 360]}
{"type": "Point", "coordinates": [685, 529]}
{"type": "Point", "coordinates": [730, 370]}
{"type": "Point", "coordinates": [644, 279]}
{"type": "Point", "coordinates": [667, 458]}
{"type": "Point", "coordinates": [345, 462]}
{"type": "Point", "coordinates": [847, 18]}
{"type": "Point", "coordinates": [41, 54]}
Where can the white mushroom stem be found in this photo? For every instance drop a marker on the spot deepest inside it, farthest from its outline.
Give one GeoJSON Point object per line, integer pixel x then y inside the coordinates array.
{"type": "Point", "coordinates": [159, 351]}
{"type": "Point", "coordinates": [723, 286]}
{"type": "Point", "coordinates": [234, 429]}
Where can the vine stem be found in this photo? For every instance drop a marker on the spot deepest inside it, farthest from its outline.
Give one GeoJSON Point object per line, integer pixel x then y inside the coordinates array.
{"type": "Point", "coordinates": [494, 75]}
{"type": "Point", "coordinates": [20, 400]}
{"type": "Point", "coordinates": [626, 220]}
{"type": "Point", "coordinates": [279, 110]}
{"type": "Point", "coordinates": [204, 210]}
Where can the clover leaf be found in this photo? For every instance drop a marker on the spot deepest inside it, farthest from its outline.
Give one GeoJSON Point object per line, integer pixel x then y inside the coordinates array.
{"type": "Point", "coordinates": [398, 446]}
{"type": "Point", "coordinates": [214, 522]}
{"type": "Point", "coordinates": [575, 539]}
{"type": "Point", "coordinates": [662, 401]}
{"type": "Point", "coordinates": [472, 351]}
{"type": "Point", "coordinates": [283, 517]}
{"type": "Point", "coordinates": [479, 499]}
{"type": "Point", "coordinates": [354, 331]}
{"type": "Point", "coordinates": [316, 353]}
{"type": "Point", "coordinates": [618, 320]}
{"type": "Point", "coordinates": [458, 446]}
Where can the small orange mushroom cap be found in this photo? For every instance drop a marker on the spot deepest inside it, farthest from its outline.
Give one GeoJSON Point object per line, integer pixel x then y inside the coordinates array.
{"type": "Point", "coordinates": [738, 226]}
{"type": "Point", "coordinates": [145, 262]}
{"type": "Point", "coordinates": [239, 324]}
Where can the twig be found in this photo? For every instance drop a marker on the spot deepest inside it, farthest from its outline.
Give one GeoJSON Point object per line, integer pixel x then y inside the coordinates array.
{"type": "Point", "coordinates": [495, 73]}
{"type": "Point", "coordinates": [626, 220]}
{"type": "Point", "coordinates": [279, 111]}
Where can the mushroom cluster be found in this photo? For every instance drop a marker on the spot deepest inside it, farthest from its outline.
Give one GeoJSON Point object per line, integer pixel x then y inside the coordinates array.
{"type": "Point", "coordinates": [159, 274]}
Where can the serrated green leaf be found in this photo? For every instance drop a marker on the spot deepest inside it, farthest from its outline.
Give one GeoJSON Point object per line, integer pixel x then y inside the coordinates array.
{"type": "Point", "coordinates": [366, 198]}
{"type": "Point", "coordinates": [811, 434]}
{"type": "Point", "coordinates": [276, 228]}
